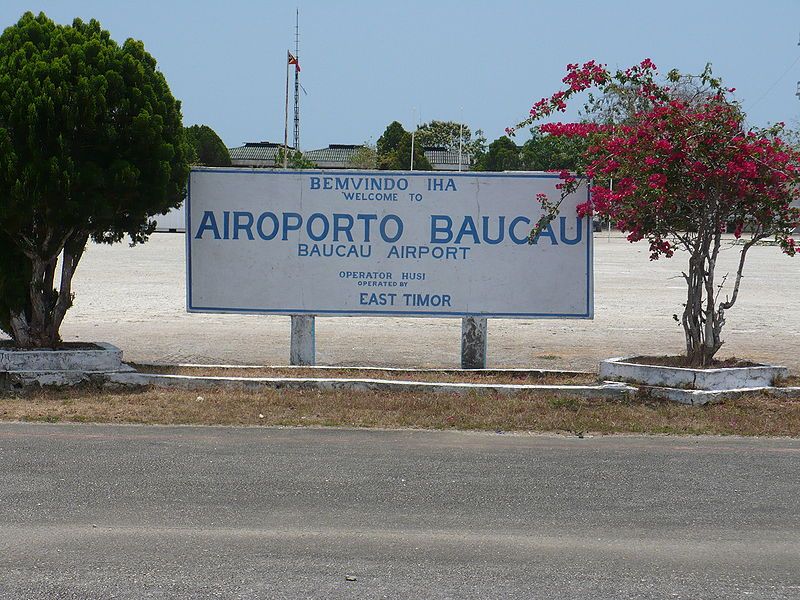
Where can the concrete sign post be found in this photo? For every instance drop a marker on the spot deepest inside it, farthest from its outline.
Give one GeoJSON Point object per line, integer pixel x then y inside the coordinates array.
{"type": "Point", "coordinates": [474, 340]}
{"type": "Point", "coordinates": [302, 348]}
{"type": "Point", "coordinates": [384, 243]}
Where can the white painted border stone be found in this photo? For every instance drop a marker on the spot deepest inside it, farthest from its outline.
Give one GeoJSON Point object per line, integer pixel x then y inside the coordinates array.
{"type": "Point", "coordinates": [605, 390]}
{"type": "Point", "coordinates": [428, 370]}
{"type": "Point", "coordinates": [126, 376]}
{"type": "Point", "coordinates": [734, 378]}
{"type": "Point", "coordinates": [104, 358]}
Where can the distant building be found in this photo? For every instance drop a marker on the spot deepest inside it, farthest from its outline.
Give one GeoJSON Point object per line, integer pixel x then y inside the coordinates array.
{"type": "Point", "coordinates": [255, 154]}
{"type": "Point", "coordinates": [442, 159]}
{"type": "Point", "coordinates": [336, 156]}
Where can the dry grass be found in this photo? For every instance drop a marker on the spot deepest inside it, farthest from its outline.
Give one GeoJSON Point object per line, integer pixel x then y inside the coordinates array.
{"type": "Point", "coordinates": [754, 415]}
{"type": "Point", "coordinates": [792, 381]}
{"type": "Point", "coordinates": [441, 376]}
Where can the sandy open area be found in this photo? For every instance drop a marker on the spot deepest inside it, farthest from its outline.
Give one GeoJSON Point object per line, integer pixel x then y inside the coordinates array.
{"type": "Point", "coordinates": [135, 299]}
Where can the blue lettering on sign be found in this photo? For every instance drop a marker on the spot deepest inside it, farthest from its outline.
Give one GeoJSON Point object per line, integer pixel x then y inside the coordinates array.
{"type": "Point", "coordinates": [344, 227]}
{"type": "Point", "coordinates": [287, 227]}
{"type": "Point", "coordinates": [501, 232]}
{"type": "Point", "coordinates": [339, 228]}
{"type": "Point", "coordinates": [363, 183]}
{"type": "Point", "coordinates": [260, 226]}
{"type": "Point", "coordinates": [398, 228]}
{"type": "Point", "coordinates": [367, 219]}
{"type": "Point", "coordinates": [207, 223]}
{"type": "Point", "coordinates": [434, 300]}
{"type": "Point", "coordinates": [467, 228]}
{"type": "Point", "coordinates": [247, 226]}
{"type": "Point", "coordinates": [226, 224]}
{"type": "Point", "coordinates": [438, 184]}
{"type": "Point", "coordinates": [310, 227]}
{"type": "Point", "coordinates": [511, 230]}
{"type": "Point", "coordinates": [375, 299]}
{"type": "Point", "coordinates": [548, 233]}
{"type": "Point", "coordinates": [340, 250]}
{"type": "Point", "coordinates": [563, 231]}
{"type": "Point", "coordinates": [437, 229]}
{"type": "Point", "coordinates": [472, 232]}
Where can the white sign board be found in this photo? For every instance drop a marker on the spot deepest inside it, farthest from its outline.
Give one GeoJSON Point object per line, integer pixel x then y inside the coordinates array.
{"type": "Point", "coordinates": [384, 243]}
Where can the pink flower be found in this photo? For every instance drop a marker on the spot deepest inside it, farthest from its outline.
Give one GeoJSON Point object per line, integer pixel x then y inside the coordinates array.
{"type": "Point", "coordinates": [657, 181]}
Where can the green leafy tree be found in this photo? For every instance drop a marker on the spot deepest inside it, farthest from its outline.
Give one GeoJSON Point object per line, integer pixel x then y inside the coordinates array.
{"type": "Point", "coordinates": [502, 155]}
{"type": "Point", "coordinates": [366, 157]}
{"type": "Point", "coordinates": [390, 139]}
{"type": "Point", "coordinates": [545, 152]}
{"type": "Point", "coordinates": [206, 148]}
{"type": "Point", "coordinates": [446, 134]}
{"type": "Point", "coordinates": [91, 147]}
{"type": "Point", "coordinates": [394, 150]}
{"type": "Point", "coordinates": [295, 160]}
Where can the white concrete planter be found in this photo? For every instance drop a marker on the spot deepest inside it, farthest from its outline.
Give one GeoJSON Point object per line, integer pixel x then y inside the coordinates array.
{"type": "Point", "coordinates": [63, 367]}
{"type": "Point", "coordinates": [732, 378]}
{"type": "Point", "coordinates": [103, 358]}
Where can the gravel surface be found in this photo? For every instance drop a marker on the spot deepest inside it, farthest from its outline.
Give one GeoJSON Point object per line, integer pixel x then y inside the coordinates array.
{"type": "Point", "coordinates": [135, 299]}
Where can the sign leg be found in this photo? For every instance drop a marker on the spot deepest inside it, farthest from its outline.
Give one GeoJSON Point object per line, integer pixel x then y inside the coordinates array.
{"type": "Point", "coordinates": [303, 345]}
{"type": "Point", "coordinates": [473, 342]}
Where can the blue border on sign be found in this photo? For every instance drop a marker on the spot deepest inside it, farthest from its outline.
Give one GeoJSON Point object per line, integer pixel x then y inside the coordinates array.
{"type": "Point", "coordinates": [187, 217]}
{"type": "Point", "coordinates": [588, 314]}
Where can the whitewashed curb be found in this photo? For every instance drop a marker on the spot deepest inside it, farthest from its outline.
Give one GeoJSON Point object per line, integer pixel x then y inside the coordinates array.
{"type": "Point", "coordinates": [605, 390]}
{"type": "Point", "coordinates": [735, 378]}
{"type": "Point", "coordinates": [103, 358]}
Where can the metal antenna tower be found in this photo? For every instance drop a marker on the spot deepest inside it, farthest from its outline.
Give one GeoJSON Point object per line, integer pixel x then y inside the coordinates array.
{"type": "Point", "coordinates": [297, 82]}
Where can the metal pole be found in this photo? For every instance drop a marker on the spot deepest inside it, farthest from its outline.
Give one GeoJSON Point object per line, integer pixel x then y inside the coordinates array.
{"type": "Point", "coordinates": [286, 118]}
{"type": "Point", "coordinates": [297, 82]}
{"type": "Point", "coordinates": [413, 131]}
{"type": "Point", "coordinates": [460, 137]}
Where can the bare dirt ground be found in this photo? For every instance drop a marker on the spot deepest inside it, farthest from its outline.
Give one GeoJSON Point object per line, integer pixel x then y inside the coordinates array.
{"type": "Point", "coordinates": [135, 299]}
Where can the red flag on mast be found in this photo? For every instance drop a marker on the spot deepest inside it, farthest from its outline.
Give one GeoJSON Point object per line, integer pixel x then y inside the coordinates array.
{"type": "Point", "coordinates": [293, 61]}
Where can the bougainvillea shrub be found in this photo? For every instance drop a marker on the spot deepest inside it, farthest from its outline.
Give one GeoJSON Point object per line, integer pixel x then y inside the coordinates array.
{"type": "Point", "coordinates": [677, 166]}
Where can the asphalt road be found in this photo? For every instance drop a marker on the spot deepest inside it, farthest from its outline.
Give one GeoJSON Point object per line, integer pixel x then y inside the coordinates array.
{"type": "Point", "coordinates": [90, 511]}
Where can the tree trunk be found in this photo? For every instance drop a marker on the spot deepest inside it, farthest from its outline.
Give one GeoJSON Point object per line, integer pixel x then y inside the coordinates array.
{"type": "Point", "coordinates": [702, 320]}
{"type": "Point", "coordinates": [692, 320]}
{"type": "Point", "coordinates": [38, 325]}
{"type": "Point", "coordinates": [699, 316]}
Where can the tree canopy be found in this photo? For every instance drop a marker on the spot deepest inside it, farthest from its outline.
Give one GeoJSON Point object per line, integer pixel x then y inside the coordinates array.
{"type": "Point", "coordinates": [294, 160]}
{"type": "Point", "coordinates": [366, 157]}
{"type": "Point", "coordinates": [502, 155]}
{"type": "Point", "coordinates": [446, 134]}
{"type": "Point", "coordinates": [394, 150]}
{"type": "Point", "coordinates": [91, 146]}
{"type": "Point", "coordinates": [545, 152]}
{"type": "Point", "coordinates": [205, 147]}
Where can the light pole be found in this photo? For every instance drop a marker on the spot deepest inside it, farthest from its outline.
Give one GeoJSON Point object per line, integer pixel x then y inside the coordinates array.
{"type": "Point", "coordinates": [413, 131]}
{"type": "Point", "coordinates": [460, 137]}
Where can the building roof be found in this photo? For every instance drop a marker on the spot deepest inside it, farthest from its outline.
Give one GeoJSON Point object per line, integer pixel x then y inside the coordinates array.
{"type": "Point", "coordinates": [338, 153]}
{"type": "Point", "coordinates": [255, 151]}
{"type": "Point", "coordinates": [439, 156]}
{"type": "Point", "coordinates": [337, 156]}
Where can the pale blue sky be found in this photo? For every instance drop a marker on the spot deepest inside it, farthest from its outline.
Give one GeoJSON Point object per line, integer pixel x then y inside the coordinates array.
{"type": "Point", "coordinates": [366, 63]}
